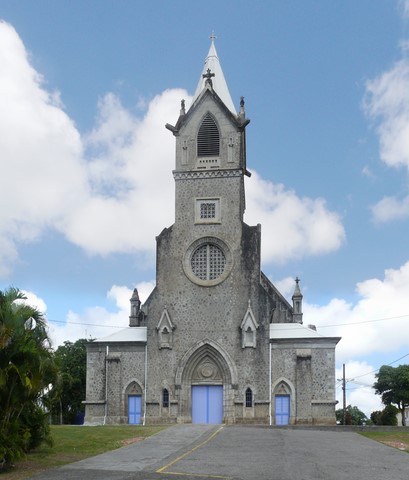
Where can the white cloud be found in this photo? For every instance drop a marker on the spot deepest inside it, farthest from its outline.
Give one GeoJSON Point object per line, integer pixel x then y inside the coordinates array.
{"type": "Point", "coordinates": [405, 8]}
{"type": "Point", "coordinates": [112, 190]}
{"type": "Point", "coordinates": [292, 227]}
{"type": "Point", "coordinates": [34, 301]}
{"type": "Point", "coordinates": [387, 104]}
{"type": "Point", "coordinates": [98, 322]}
{"type": "Point", "coordinates": [106, 197]}
{"type": "Point", "coordinates": [285, 286]}
{"type": "Point", "coordinates": [387, 101]}
{"type": "Point", "coordinates": [40, 151]}
{"type": "Point", "coordinates": [376, 323]}
{"type": "Point", "coordinates": [130, 177]}
{"type": "Point", "coordinates": [367, 172]}
{"type": "Point", "coordinates": [359, 392]}
{"type": "Point", "coordinates": [391, 208]}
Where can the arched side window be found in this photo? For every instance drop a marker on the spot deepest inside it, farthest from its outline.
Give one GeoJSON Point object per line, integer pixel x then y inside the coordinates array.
{"type": "Point", "coordinates": [165, 398]}
{"type": "Point", "coordinates": [249, 398]}
{"type": "Point", "coordinates": [208, 138]}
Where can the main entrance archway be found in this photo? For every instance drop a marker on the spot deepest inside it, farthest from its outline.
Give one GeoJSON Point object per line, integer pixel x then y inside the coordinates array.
{"type": "Point", "coordinates": [206, 374]}
{"type": "Point", "coordinates": [207, 404]}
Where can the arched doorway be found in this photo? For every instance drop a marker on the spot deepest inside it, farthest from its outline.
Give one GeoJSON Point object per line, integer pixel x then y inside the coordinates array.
{"type": "Point", "coordinates": [207, 404]}
{"type": "Point", "coordinates": [206, 375]}
{"type": "Point", "coordinates": [283, 402]}
{"type": "Point", "coordinates": [282, 409]}
{"type": "Point", "coordinates": [133, 403]}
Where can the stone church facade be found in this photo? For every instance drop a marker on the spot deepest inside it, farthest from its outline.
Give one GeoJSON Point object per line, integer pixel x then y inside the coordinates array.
{"type": "Point", "coordinates": [215, 342]}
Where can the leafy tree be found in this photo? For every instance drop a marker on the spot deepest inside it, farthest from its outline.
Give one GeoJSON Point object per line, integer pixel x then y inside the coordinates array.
{"type": "Point", "coordinates": [65, 399]}
{"type": "Point", "coordinates": [376, 417]}
{"type": "Point", "coordinates": [27, 368]}
{"type": "Point", "coordinates": [387, 416]}
{"type": "Point", "coordinates": [353, 416]}
{"type": "Point", "coordinates": [393, 384]}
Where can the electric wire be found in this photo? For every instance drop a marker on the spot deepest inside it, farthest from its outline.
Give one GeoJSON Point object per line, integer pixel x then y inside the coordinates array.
{"type": "Point", "coordinates": [281, 329]}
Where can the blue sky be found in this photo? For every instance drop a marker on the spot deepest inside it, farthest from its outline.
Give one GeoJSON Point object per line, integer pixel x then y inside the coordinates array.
{"type": "Point", "coordinates": [86, 89]}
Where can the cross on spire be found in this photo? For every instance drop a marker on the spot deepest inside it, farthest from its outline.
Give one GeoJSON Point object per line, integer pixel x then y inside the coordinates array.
{"type": "Point", "coordinates": [208, 76]}
{"type": "Point", "coordinates": [212, 36]}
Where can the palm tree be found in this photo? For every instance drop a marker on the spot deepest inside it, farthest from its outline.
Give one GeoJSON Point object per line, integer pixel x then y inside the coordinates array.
{"type": "Point", "coordinates": [27, 367]}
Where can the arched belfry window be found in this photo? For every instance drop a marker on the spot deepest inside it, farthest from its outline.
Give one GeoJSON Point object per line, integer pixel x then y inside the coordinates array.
{"type": "Point", "coordinates": [208, 138]}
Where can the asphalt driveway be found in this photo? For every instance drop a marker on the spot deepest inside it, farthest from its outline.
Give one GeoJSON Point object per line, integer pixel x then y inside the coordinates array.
{"type": "Point", "coordinates": [243, 453]}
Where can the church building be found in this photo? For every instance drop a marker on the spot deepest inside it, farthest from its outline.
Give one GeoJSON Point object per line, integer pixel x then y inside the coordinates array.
{"type": "Point", "coordinates": [215, 342]}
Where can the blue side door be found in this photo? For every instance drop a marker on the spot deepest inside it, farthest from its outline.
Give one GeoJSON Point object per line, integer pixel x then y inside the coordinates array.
{"type": "Point", "coordinates": [282, 409]}
{"type": "Point", "coordinates": [134, 409]}
{"type": "Point", "coordinates": [207, 404]}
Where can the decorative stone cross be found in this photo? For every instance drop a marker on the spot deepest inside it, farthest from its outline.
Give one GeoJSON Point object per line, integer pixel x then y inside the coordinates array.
{"type": "Point", "coordinates": [208, 76]}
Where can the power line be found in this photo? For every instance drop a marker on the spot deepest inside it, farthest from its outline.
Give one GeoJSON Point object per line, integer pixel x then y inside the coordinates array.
{"type": "Point", "coordinates": [281, 329]}
{"type": "Point", "coordinates": [364, 321]}
{"type": "Point", "coordinates": [84, 323]}
{"type": "Point", "coordinates": [388, 364]}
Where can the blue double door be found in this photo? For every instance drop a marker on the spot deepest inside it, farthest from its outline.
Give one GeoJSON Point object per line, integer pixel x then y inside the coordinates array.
{"type": "Point", "coordinates": [134, 409]}
{"type": "Point", "coordinates": [207, 404]}
{"type": "Point", "coordinates": [282, 409]}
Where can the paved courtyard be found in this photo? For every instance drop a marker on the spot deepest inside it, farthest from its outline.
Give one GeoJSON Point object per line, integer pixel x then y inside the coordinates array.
{"type": "Point", "coordinates": [243, 453]}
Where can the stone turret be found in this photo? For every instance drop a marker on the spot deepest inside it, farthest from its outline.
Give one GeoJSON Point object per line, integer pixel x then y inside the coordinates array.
{"type": "Point", "coordinates": [297, 302]}
{"type": "Point", "coordinates": [135, 316]}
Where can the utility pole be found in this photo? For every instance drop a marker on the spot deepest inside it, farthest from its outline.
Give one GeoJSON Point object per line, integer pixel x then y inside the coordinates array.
{"type": "Point", "coordinates": [344, 395]}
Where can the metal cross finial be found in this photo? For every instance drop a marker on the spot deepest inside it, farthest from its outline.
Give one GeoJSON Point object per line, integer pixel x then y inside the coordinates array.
{"type": "Point", "coordinates": [212, 36]}
{"type": "Point", "coordinates": [297, 280]}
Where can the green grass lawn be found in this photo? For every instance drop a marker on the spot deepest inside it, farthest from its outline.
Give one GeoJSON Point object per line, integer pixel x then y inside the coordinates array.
{"type": "Point", "coordinates": [72, 443]}
{"type": "Point", "coordinates": [398, 440]}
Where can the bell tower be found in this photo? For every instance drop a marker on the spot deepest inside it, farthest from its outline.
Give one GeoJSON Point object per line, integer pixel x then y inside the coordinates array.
{"type": "Point", "coordinates": [210, 151]}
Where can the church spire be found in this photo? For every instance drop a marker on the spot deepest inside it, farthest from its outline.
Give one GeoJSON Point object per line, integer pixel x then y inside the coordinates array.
{"type": "Point", "coordinates": [297, 302]}
{"type": "Point", "coordinates": [217, 81]}
{"type": "Point", "coordinates": [135, 316]}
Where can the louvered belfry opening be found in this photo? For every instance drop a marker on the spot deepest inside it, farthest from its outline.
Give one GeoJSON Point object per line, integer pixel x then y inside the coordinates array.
{"type": "Point", "coordinates": [208, 138]}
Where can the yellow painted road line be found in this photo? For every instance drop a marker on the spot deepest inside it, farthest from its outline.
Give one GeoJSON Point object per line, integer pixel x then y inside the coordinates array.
{"type": "Point", "coordinates": [197, 475]}
{"type": "Point", "coordinates": [162, 469]}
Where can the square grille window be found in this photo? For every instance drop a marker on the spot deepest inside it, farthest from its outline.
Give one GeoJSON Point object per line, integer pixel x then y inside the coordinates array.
{"type": "Point", "coordinates": [207, 210]}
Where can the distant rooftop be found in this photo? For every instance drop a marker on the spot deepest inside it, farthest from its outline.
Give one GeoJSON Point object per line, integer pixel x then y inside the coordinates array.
{"type": "Point", "coordinates": [128, 334]}
{"type": "Point", "coordinates": [291, 330]}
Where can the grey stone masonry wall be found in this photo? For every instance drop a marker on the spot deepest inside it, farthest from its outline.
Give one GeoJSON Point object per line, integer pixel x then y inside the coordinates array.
{"type": "Point", "coordinates": [306, 368]}
{"type": "Point", "coordinates": [111, 368]}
